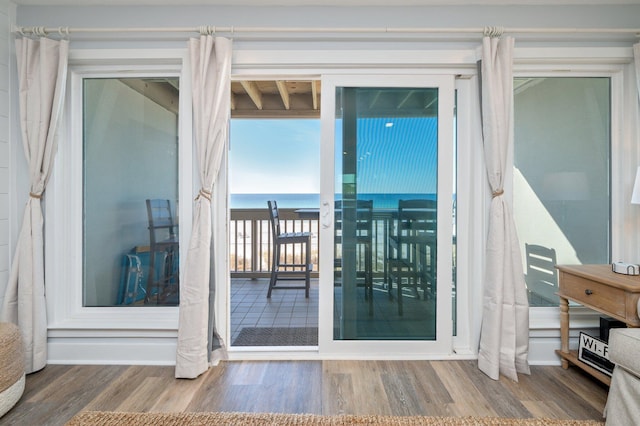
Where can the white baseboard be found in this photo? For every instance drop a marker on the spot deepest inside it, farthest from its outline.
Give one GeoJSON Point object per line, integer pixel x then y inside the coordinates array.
{"type": "Point", "coordinates": [161, 350]}
{"type": "Point", "coordinates": [544, 343]}
{"type": "Point", "coordinates": [112, 351]}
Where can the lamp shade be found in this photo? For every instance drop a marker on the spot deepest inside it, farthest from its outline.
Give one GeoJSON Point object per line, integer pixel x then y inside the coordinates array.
{"type": "Point", "coordinates": [635, 196]}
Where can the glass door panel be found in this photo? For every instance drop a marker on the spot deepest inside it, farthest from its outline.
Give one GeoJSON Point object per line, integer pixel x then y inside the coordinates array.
{"type": "Point", "coordinates": [391, 203]}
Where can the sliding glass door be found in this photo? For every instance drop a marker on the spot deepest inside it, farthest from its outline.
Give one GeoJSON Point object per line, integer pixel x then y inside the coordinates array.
{"type": "Point", "coordinates": [386, 214]}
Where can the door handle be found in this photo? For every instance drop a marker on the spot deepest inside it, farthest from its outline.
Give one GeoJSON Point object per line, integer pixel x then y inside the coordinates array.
{"type": "Point", "coordinates": [325, 215]}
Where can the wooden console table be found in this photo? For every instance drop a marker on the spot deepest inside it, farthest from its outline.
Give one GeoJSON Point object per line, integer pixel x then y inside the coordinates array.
{"type": "Point", "coordinates": [599, 288]}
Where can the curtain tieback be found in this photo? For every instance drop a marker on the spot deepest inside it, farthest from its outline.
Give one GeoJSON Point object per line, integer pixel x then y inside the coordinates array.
{"type": "Point", "coordinates": [38, 196]}
{"type": "Point", "coordinates": [204, 193]}
{"type": "Point", "coordinates": [497, 193]}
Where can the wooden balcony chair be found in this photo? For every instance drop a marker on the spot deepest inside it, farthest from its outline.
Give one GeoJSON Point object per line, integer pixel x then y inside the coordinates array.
{"type": "Point", "coordinates": [541, 275]}
{"type": "Point", "coordinates": [362, 238]}
{"type": "Point", "coordinates": [281, 268]}
{"type": "Point", "coordinates": [163, 282]}
{"type": "Point", "coordinates": [412, 258]}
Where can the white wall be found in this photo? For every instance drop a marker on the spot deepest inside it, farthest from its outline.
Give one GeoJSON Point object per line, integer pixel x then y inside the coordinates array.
{"type": "Point", "coordinates": [614, 16]}
{"type": "Point", "coordinates": [5, 147]}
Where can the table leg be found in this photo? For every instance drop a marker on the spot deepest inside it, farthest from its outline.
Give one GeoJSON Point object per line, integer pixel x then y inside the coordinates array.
{"type": "Point", "coordinates": [564, 329]}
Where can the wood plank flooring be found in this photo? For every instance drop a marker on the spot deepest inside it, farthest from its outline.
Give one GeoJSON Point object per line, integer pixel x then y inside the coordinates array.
{"type": "Point", "coordinates": [435, 388]}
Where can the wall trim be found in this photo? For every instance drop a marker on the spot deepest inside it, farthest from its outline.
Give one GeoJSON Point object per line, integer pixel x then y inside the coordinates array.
{"type": "Point", "coordinates": [144, 347]}
{"type": "Point", "coordinates": [113, 351]}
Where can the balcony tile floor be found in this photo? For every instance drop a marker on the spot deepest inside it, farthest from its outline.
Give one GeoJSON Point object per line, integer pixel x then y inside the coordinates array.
{"type": "Point", "coordinates": [286, 308]}
{"type": "Point", "coordinates": [289, 308]}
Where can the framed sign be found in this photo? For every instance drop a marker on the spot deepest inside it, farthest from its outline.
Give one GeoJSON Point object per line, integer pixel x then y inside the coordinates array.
{"type": "Point", "coordinates": [595, 352]}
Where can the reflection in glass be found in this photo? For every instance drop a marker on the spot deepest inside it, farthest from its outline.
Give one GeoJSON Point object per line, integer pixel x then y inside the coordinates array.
{"type": "Point", "coordinates": [561, 177]}
{"type": "Point", "coordinates": [130, 149]}
{"type": "Point", "coordinates": [385, 251]}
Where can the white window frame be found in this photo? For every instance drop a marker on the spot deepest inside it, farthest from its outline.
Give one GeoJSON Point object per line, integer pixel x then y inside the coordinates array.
{"type": "Point", "coordinates": [471, 217]}
{"type": "Point", "coordinates": [67, 316]}
{"type": "Point", "coordinates": [559, 62]}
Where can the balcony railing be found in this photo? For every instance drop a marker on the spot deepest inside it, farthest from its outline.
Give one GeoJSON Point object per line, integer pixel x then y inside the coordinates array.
{"type": "Point", "coordinates": [251, 242]}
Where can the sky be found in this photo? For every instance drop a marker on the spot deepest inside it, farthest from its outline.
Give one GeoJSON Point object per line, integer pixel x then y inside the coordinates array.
{"type": "Point", "coordinates": [275, 156]}
{"type": "Point", "coordinates": [396, 155]}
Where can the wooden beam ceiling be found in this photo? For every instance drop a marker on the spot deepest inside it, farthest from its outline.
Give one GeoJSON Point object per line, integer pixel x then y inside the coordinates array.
{"type": "Point", "coordinates": [284, 94]}
{"type": "Point", "coordinates": [161, 91]}
{"type": "Point", "coordinates": [298, 99]}
{"type": "Point", "coordinates": [275, 99]}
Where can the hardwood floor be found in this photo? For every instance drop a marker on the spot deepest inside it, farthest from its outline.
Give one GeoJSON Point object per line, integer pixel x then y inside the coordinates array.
{"type": "Point", "coordinates": [435, 388]}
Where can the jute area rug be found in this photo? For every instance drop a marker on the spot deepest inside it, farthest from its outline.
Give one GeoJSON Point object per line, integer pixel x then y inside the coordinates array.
{"type": "Point", "coordinates": [101, 418]}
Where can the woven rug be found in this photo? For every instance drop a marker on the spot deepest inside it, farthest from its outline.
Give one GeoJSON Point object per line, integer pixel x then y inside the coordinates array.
{"type": "Point", "coordinates": [277, 336]}
{"type": "Point", "coordinates": [98, 418]}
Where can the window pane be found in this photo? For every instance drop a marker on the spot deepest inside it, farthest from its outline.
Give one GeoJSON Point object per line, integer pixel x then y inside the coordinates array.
{"type": "Point", "coordinates": [561, 177]}
{"type": "Point", "coordinates": [130, 139]}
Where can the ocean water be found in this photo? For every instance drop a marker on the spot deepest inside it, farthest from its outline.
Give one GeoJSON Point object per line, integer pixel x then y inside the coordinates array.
{"type": "Point", "coordinates": [300, 201]}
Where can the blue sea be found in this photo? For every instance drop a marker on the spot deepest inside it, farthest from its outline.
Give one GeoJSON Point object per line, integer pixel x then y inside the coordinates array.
{"type": "Point", "coordinates": [301, 201]}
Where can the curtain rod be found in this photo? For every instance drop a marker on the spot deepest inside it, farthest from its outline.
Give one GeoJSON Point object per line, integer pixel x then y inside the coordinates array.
{"type": "Point", "coordinates": [232, 31]}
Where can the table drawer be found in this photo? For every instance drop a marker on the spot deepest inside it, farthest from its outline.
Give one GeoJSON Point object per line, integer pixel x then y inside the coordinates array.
{"type": "Point", "coordinates": [592, 293]}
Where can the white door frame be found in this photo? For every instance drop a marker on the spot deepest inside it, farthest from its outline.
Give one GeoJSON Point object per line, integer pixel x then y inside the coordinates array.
{"type": "Point", "coordinates": [362, 349]}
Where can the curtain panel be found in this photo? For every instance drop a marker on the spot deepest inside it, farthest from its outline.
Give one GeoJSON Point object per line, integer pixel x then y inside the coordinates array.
{"type": "Point", "coordinates": [211, 85]}
{"type": "Point", "coordinates": [636, 56]}
{"type": "Point", "coordinates": [504, 335]}
{"type": "Point", "coordinates": [42, 77]}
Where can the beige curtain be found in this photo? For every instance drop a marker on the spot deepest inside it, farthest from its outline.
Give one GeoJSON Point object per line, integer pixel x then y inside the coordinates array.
{"type": "Point", "coordinates": [504, 336]}
{"type": "Point", "coordinates": [42, 75]}
{"type": "Point", "coordinates": [211, 86]}
{"type": "Point", "coordinates": [636, 56]}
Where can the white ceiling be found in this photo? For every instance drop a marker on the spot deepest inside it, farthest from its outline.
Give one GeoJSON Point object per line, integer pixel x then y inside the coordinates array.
{"type": "Point", "coordinates": [316, 2]}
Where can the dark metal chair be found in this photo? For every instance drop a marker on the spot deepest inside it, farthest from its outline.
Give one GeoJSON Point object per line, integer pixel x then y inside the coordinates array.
{"type": "Point", "coordinates": [283, 261]}
{"type": "Point", "coordinates": [162, 282]}
{"type": "Point", "coordinates": [361, 236]}
{"type": "Point", "coordinates": [412, 261]}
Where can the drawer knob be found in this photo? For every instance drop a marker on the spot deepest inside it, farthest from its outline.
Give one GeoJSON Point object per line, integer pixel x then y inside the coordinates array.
{"type": "Point", "coordinates": [588, 292]}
